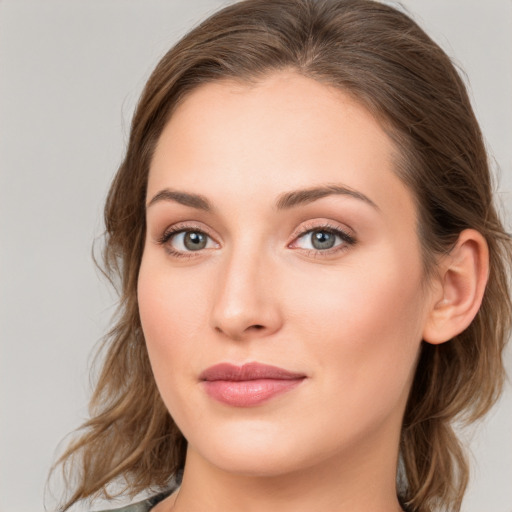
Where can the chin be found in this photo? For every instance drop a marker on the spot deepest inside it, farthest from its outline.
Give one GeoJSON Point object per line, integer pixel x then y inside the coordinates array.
{"type": "Point", "coordinates": [258, 450]}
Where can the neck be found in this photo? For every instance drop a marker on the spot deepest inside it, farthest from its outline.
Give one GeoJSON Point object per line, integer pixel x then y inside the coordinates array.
{"type": "Point", "coordinates": [362, 480]}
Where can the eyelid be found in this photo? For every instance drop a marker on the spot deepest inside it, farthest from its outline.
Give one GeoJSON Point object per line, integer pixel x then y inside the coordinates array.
{"type": "Point", "coordinates": [185, 226]}
{"type": "Point", "coordinates": [328, 225]}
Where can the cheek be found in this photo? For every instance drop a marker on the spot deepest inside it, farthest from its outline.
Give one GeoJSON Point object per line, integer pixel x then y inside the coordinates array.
{"type": "Point", "coordinates": [171, 311]}
{"type": "Point", "coordinates": [363, 327]}
{"type": "Point", "coordinates": [371, 303]}
{"type": "Point", "coordinates": [165, 309]}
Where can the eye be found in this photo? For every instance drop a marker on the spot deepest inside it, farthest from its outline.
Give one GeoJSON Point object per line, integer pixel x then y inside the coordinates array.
{"type": "Point", "coordinates": [180, 241]}
{"type": "Point", "coordinates": [323, 239]}
{"type": "Point", "coordinates": [190, 241]}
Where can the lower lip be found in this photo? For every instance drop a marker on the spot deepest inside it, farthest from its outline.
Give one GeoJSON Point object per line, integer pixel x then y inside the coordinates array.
{"type": "Point", "coordinates": [247, 393]}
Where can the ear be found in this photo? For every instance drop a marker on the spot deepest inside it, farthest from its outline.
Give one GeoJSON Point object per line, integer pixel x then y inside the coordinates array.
{"type": "Point", "coordinates": [461, 280]}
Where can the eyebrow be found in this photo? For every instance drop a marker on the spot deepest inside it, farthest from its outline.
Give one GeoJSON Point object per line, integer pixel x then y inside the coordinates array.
{"type": "Point", "coordinates": [193, 200]}
{"type": "Point", "coordinates": [301, 197]}
{"type": "Point", "coordinates": [284, 201]}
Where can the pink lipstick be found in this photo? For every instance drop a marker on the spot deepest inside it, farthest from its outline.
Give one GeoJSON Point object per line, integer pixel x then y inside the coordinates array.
{"type": "Point", "coordinates": [247, 385]}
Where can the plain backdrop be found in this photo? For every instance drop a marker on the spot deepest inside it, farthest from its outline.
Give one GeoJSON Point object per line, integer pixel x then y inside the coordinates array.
{"type": "Point", "coordinates": [70, 74]}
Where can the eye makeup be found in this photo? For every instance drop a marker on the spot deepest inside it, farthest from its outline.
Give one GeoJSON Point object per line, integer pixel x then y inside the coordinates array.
{"type": "Point", "coordinates": [187, 240]}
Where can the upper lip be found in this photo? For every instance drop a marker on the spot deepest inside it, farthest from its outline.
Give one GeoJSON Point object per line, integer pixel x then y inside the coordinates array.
{"type": "Point", "coordinates": [248, 371]}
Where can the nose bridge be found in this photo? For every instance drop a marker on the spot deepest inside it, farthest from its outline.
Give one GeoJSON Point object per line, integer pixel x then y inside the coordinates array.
{"type": "Point", "coordinates": [244, 303]}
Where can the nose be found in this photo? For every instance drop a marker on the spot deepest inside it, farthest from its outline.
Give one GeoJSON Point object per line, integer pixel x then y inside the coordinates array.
{"type": "Point", "coordinates": [245, 304]}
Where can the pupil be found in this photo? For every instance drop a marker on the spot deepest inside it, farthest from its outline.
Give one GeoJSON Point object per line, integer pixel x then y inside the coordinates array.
{"type": "Point", "coordinates": [323, 240]}
{"type": "Point", "coordinates": [194, 240]}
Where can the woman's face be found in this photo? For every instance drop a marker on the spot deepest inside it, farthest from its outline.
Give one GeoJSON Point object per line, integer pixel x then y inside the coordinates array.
{"type": "Point", "coordinates": [279, 234]}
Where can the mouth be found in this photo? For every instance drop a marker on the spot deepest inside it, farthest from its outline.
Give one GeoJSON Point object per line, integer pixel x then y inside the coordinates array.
{"type": "Point", "coordinates": [248, 385]}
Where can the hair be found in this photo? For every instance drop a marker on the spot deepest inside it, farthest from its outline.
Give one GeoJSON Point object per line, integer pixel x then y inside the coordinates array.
{"type": "Point", "coordinates": [384, 60]}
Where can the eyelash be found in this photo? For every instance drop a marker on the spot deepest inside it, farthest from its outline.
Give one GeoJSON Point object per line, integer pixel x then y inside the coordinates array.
{"type": "Point", "coordinates": [175, 230]}
{"type": "Point", "coordinates": [347, 239]}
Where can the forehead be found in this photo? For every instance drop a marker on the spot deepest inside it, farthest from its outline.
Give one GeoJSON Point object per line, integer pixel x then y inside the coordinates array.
{"type": "Point", "coordinates": [281, 109]}
{"type": "Point", "coordinates": [229, 139]}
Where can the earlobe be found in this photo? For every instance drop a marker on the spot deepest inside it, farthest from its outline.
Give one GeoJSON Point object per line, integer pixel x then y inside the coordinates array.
{"type": "Point", "coordinates": [463, 275]}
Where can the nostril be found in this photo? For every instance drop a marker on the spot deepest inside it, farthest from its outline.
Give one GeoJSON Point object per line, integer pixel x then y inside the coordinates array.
{"type": "Point", "coordinates": [240, 335]}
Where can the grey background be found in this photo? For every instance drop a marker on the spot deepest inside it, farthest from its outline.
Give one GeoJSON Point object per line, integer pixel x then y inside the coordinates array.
{"type": "Point", "coordinates": [70, 74]}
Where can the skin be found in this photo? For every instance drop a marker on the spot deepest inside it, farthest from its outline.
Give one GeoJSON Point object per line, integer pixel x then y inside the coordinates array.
{"type": "Point", "coordinates": [350, 318]}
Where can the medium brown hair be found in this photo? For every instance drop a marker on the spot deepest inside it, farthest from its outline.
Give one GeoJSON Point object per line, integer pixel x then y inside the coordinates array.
{"type": "Point", "coordinates": [383, 59]}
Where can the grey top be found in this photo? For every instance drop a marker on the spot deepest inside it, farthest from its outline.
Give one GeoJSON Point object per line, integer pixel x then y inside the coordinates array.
{"type": "Point", "coordinates": [145, 505]}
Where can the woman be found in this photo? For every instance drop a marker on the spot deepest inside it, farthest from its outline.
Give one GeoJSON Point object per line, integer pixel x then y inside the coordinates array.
{"type": "Point", "coordinates": [313, 275]}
